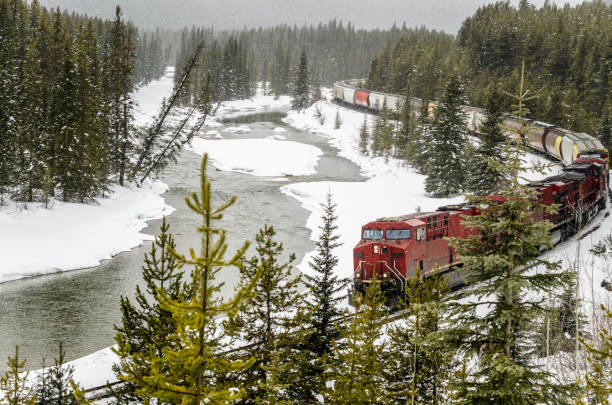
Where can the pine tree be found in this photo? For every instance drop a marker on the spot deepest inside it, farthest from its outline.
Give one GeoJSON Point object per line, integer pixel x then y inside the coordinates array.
{"type": "Point", "coordinates": [338, 120]}
{"type": "Point", "coordinates": [598, 378]}
{"type": "Point", "coordinates": [14, 389]}
{"type": "Point", "coordinates": [445, 167]}
{"type": "Point", "coordinates": [605, 129]}
{"type": "Point", "coordinates": [364, 136]}
{"type": "Point", "coordinates": [301, 87]}
{"type": "Point", "coordinates": [146, 326]}
{"type": "Point", "coordinates": [418, 362]}
{"type": "Point", "coordinates": [321, 310]}
{"type": "Point", "coordinates": [495, 323]}
{"type": "Point", "coordinates": [422, 139]}
{"type": "Point", "coordinates": [359, 363]}
{"type": "Point", "coordinates": [264, 319]}
{"type": "Point", "coordinates": [405, 145]}
{"type": "Point", "coordinates": [53, 385]}
{"type": "Point", "coordinates": [487, 176]}
{"type": "Point", "coordinates": [193, 372]}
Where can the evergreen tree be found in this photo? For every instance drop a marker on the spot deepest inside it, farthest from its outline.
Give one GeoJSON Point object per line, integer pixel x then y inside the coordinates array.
{"type": "Point", "coordinates": [494, 324]}
{"type": "Point", "coordinates": [358, 369]}
{"type": "Point", "coordinates": [193, 372]}
{"type": "Point", "coordinates": [405, 143]}
{"type": "Point", "coordinates": [418, 362]}
{"type": "Point", "coordinates": [598, 378]}
{"type": "Point", "coordinates": [364, 136]}
{"type": "Point", "coordinates": [14, 389]}
{"type": "Point", "coordinates": [264, 319]}
{"type": "Point", "coordinates": [605, 129]}
{"type": "Point", "coordinates": [338, 120]}
{"type": "Point", "coordinates": [422, 139]}
{"type": "Point", "coordinates": [301, 87]}
{"type": "Point", "coordinates": [321, 310]}
{"type": "Point", "coordinates": [147, 327]}
{"type": "Point", "coordinates": [445, 167]}
{"type": "Point", "coordinates": [53, 386]}
{"type": "Point", "coordinates": [486, 175]}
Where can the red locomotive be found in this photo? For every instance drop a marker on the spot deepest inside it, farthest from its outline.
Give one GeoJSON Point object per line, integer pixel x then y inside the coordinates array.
{"type": "Point", "coordinates": [392, 249]}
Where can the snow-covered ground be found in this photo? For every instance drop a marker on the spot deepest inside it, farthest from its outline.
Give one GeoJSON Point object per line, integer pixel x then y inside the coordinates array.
{"type": "Point", "coordinates": [260, 157]}
{"type": "Point", "coordinates": [68, 236]}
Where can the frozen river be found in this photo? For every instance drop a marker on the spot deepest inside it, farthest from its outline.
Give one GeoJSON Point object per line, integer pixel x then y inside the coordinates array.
{"type": "Point", "coordinates": [81, 307]}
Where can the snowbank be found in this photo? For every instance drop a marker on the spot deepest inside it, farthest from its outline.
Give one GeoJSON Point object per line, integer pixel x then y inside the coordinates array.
{"type": "Point", "coordinates": [260, 157]}
{"type": "Point", "coordinates": [71, 236]}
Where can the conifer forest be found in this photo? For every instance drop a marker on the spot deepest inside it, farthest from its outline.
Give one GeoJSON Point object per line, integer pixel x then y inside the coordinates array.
{"type": "Point", "coordinates": [334, 211]}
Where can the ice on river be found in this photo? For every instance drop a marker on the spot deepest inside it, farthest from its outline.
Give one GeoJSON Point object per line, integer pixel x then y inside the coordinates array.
{"type": "Point", "coordinates": [260, 157]}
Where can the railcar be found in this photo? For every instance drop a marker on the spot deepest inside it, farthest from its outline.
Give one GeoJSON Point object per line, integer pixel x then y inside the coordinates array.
{"type": "Point", "coordinates": [558, 143]}
{"type": "Point", "coordinates": [391, 249]}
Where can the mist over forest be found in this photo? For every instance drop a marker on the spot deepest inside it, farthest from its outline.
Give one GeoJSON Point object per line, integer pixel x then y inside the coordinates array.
{"type": "Point", "coordinates": [444, 15]}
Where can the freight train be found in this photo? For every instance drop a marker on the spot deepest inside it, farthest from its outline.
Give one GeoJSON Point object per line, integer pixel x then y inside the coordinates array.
{"type": "Point", "coordinates": [558, 143]}
{"type": "Point", "coordinates": [391, 249]}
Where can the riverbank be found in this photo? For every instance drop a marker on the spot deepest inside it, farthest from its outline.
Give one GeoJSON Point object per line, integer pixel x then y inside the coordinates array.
{"type": "Point", "coordinates": [69, 236]}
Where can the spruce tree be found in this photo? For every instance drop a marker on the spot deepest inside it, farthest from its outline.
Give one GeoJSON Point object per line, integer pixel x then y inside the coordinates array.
{"type": "Point", "coordinates": [598, 379]}
{"type": "Point", "coordinates": [338, 120]}
{"type": "Point", "coordinates": [421, 140]}
{"type": "Point", "coordinates": [53, 385]}
{"type": "Point", "coordinates": [301, 87]}
{"type": "Point", "coordinates": [605, 128]}
{"type": "Point", "coordinates": [320, 312]}
{"type": "Point", "coordinates": [193, 372]}
{"type": "Point", "coordinates": [358, 367]}
{"type": "Point", "coordinates": [264, 319]}
{"type": "Point", "coordinates": [405, 148]}
{"type": "Point", "coordinates": [364, 136]}
{"type": "Point", "coordinates": [14, 389]}
{"type": "Point", "coordinates": [419, 363]}
{"type": "Point", "coordinates": [494, 324]}
{"type": "Point", "coordinates": [145, 326]}
{"type": "Point", "coordinates": [486, 176]}
{"type": "Point", "coordinates": [445, 166]}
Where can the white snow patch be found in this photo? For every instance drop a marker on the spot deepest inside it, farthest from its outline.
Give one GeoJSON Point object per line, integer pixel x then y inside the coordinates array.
{"type": "Point", "coordinates": [279, 129]}
{"type": "Point", "coordinates": [260, 157]}
{"type": "Point", "coordinates": [72, 236]}
{"type": "Point", "coordinates": [277, 137]}
{"type": "Point", "coordinates": [148, 98]}
{"type": "Point", "coordinates": [242, 129]}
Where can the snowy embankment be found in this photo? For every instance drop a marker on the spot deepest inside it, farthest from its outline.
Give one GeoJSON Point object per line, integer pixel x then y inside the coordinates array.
{"type": "Point", "coordinates": [70, 236]}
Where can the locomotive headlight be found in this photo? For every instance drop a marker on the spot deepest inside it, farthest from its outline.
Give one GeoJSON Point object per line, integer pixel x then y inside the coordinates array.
{"type": "Point", "coordinates": [376, 249]}
{"type": "Point", "coordinates": [385, 275]}
{"type": "Point", "coordinates": [358, 275]}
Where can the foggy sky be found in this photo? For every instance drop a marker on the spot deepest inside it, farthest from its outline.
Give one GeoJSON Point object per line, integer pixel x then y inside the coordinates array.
{"type": "Point", "coordinates": [444, 15]}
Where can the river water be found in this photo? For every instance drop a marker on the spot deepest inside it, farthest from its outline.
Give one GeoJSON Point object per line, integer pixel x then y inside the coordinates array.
{"type": "Point", "coordinates": [80, 307]}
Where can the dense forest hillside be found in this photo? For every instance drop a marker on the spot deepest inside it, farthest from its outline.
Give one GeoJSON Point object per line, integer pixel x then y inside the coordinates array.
{"type": "Point", "coordinates": [65, 103]}
{"type": "Point", "coordinates": [238, 60]}
{"type": "Point", "coordinates": [567, 53]}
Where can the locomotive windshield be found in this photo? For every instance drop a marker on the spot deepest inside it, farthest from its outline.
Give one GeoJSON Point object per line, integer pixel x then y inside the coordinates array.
{"type": "Point", "coordinates": [372, 234]}
{"type": "Point", "coordinates": [398, 234]}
